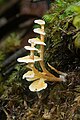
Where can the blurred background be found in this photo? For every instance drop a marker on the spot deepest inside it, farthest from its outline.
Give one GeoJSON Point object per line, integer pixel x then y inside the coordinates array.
{"type": "Point", "coordinates": [16, 27]}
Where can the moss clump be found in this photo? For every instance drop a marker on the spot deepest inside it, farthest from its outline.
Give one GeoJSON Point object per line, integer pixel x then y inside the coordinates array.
{"type": "Point", "coordinates": [62, 34]}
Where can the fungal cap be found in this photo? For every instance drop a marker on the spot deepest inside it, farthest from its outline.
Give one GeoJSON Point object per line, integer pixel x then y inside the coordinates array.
{"type": "Point", "coordinates": [28, 59]}
{"type": "Point", "coordinates": [29, 74]}
{"type": "Point", "coordinates": [36, 41]}
{"type": "Point", "coordinates": [38, 85]}
{"type": "Point", "coordinates": [34, 78]}
{"type": "Point", "coordinates": [30, 48]}
{"type": "Point", "coordinates": [40, 22]}
{"type": "Point", "coordinates": [39, 31]}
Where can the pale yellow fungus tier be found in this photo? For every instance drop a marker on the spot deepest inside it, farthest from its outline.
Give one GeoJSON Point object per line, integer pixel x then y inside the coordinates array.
{"type": "Point", "coordinates": [28, 59]}
{"type": "Point", "coordinates": [36, 41]}
{"type": "Point", "coordinates": [30, 48]}
{"type": "Point", "coordinates": [29, 74]}
{"type": "Point", "coordinates": [40, 22]}
{"type": "Point", "coordinates": [38, 85]}
{"type": "Point", "coordinates": [39, 31]}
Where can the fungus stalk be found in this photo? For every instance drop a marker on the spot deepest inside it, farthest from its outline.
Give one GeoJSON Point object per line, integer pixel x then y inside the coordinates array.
{"type": "Point", "coordinates": [32, 51]}
{"type": "Point", "coordinates": [32, 55]}
{"type": "Point", "coordinates": [42, 50]}
{"type": "Point", "coordinates": [42, 46]}
{"type": "Point", "coordinates": [42, 55]}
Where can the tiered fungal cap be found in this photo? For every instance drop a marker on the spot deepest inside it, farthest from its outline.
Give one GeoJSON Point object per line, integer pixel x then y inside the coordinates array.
{"type": "Point", "coordinates": [39, 31]}
{"type": "Point", "coordinates": [30, 48]}
{"type": "Point", "coordinates": [29, 74]}
{"type": "Point", "coordinates": [38, 83]}
{"type": "Point", "coordinates": [28, 59]}
{"type": "Point", "coordinates": [40, 22]}
{"type": "Point", "coordinates": [36, 41]}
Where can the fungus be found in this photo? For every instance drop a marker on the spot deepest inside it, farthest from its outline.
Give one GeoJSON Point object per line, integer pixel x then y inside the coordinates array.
{"type": "Point", "coordinates": [36, 41]}
{"type": "Point", "coordinates": [39, 31]}
{"type": "Point", "coordinates": [30, 48]}
{"type": "Point", "coordinates": [33, 79]}
{"type": "Point", "coordinates": [39, 77]}
{"type": "Point", "coordinates": [40, 22]}
{"type": "Point", "coordinates": [38, 85]}
{"type": "Point", "coordinates": [29, 74]}
{"type": "Point", "coordinates": [28, 59]}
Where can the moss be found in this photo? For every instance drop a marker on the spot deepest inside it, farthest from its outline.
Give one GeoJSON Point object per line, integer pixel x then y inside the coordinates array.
{"type": "Point", "coordinates": [10, 44]}
{"type": "Point", "coordinates": [62, 35]}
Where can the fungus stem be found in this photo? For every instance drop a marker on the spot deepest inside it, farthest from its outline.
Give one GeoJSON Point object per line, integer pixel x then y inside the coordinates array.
{"type": "Point", "coordinates": [59, 72]}
{"type": "Point", "coordinates": [42, 53]}
{"type": "Point", "coordinates": [32, 51]}
{"type": "Point", "coordinates": [42, 46]}
{"type": "Point", "coordinates": [42, 50]}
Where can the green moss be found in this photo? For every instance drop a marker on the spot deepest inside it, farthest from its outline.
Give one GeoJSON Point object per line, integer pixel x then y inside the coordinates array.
{"type": "Point", "coordinates": [62, 24]}
{"type": "Point", "coordinates": [10, 43]}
